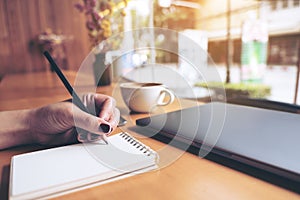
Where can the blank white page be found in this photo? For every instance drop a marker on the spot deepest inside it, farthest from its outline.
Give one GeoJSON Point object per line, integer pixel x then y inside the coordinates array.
{"type": "Point", "coordinates": [62, 168]}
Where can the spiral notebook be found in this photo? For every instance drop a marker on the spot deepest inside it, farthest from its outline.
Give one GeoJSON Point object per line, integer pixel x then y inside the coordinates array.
{"type": "Point", "coordinates": [57, 171]}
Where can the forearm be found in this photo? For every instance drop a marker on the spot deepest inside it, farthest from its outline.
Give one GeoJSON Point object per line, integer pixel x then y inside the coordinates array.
{"type": "Point", "coordinates": [15, 128]}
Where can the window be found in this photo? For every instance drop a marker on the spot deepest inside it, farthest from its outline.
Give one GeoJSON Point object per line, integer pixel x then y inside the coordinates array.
{"type": "Point", "coordinates": [273, 5]}
{"type": "Point", "coordinates": [296, 3]}
{"type": "Point", "coordinates": [285, 4]}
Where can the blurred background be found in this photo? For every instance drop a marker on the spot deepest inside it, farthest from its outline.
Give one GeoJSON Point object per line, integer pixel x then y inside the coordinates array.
{"type": "Point", "coordinates": [249, 41]}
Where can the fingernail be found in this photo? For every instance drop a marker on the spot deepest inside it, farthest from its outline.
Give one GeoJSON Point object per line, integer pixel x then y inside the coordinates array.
{"type": "Point", "coordinates": [105, 128]}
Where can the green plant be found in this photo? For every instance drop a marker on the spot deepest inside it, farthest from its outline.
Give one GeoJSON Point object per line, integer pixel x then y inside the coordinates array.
{"type": "Point", "coordinates": [238, 89]}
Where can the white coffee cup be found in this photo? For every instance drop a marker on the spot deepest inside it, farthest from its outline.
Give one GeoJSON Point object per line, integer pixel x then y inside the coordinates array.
{"type": "Point", "coordinates": [145, 97]}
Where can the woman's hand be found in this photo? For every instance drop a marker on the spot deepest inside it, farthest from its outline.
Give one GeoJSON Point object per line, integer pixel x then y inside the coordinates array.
{"type": "Point", "coordinates": [55, 124]}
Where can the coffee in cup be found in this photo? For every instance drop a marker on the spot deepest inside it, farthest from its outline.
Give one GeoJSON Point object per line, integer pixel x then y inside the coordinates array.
{"type": "Point", "coordinates": [145, 97]}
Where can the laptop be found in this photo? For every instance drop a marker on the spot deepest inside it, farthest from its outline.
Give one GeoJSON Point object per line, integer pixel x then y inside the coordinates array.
{"type": "Point", "coordinates": [260, 142]}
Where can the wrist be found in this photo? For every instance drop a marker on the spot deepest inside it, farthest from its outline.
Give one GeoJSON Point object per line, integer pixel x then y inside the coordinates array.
{"type": "Point", "coordinates": [16, 129]}
{"type": "Point", "coordinates": [23, 129]}
{"type": "Point", "coordinates": [27, 117]}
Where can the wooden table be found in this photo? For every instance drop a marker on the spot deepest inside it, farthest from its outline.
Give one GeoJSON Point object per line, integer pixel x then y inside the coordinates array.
{"type": "Point", "coordinates": [187, 177]}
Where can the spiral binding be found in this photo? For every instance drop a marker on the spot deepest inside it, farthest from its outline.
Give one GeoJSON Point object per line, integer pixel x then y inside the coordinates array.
{"type": "Point", "coordinates": [140, 146]}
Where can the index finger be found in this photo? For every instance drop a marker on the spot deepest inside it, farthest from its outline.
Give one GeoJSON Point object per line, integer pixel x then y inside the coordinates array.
{"type": "Point", "coordinates": [106, 106]}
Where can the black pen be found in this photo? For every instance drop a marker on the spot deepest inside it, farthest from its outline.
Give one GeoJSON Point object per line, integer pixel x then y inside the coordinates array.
{"type": "Point", "coordinates": [76, 99]}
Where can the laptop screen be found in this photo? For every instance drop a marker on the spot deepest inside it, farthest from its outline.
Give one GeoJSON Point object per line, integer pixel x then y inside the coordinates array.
{"type": "Point", "coordinates": [263, 138]}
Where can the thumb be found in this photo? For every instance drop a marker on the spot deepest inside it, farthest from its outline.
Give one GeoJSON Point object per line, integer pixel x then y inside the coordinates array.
{"type": "Point", "coordinates": [90, 122]}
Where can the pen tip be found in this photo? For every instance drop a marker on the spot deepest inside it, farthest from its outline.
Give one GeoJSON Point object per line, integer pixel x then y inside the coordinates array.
{"type": "Point", "coordinates": [104, 138]}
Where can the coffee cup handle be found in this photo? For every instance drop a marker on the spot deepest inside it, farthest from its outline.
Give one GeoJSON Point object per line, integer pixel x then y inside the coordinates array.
{"type": "Point", "coordinates": [162, 95]}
